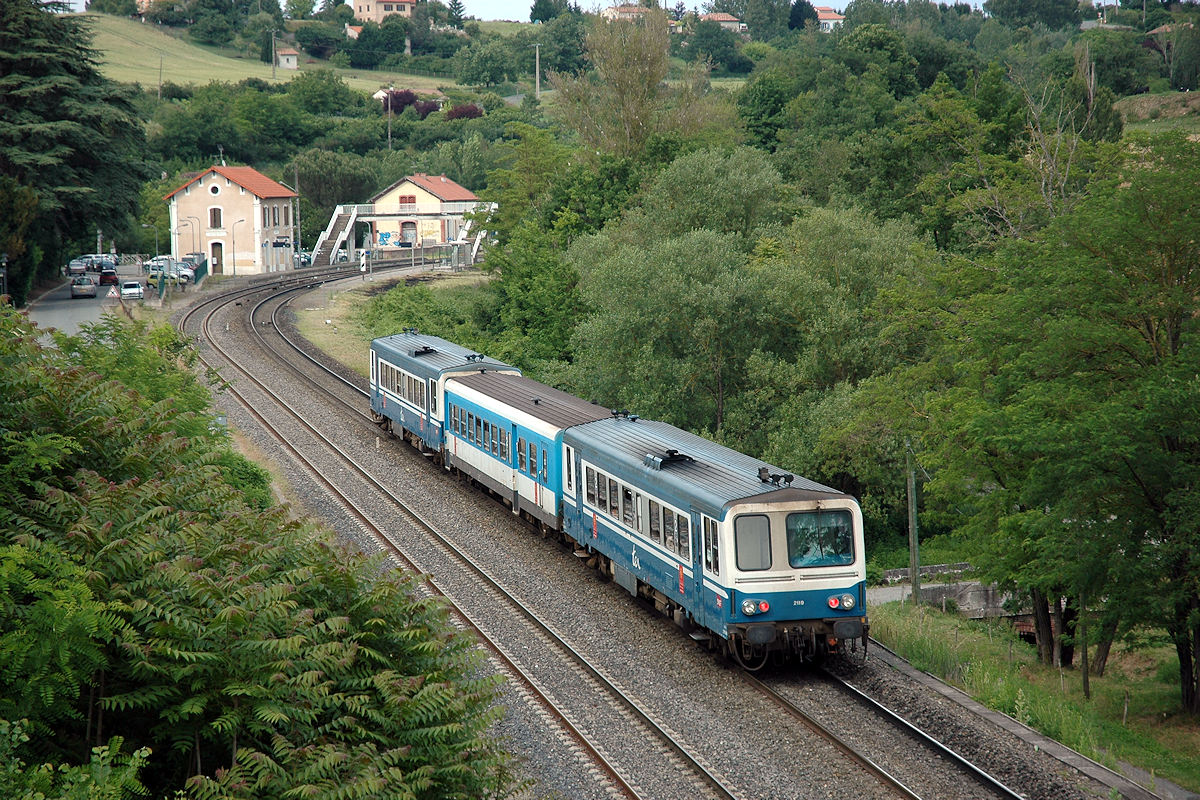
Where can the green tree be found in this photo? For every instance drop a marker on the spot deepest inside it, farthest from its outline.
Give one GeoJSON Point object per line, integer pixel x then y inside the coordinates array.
{"type": "Point", "coordinates": [482, 63]}
{"type": "Point", "coordinates": [767, 19]}
{"type": "Point", "coordinates": [67, 133]}
{"type": "Point", "coordinates": [546, 10]}
{"type": "Point", "coordinates": [802, 12]}
{"type": "Point", "coordinates": [1054, 14]}
{"type": "Point", "coordinates": [695, 317]}
{"type": "Point", "coordinates": [615, 107]}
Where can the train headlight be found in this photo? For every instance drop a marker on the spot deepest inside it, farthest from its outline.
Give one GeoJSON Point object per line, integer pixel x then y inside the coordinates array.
{"type": "Point", "coordinates": [847, 601]}
{"type": "Point", "coordinates": [752, 607]}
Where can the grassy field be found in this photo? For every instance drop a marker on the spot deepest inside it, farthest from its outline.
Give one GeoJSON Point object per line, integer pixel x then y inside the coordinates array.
{"type": "Point", "coordinates": [1166, 111]}
{"type": "Point", "coordinates": [135, 52]}
{"type": "Point", "coordinates": [1132, 715]}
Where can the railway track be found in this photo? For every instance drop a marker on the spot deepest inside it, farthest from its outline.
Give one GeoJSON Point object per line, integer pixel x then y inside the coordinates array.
{"type": "Point", "coordinates": [529, 652]}
{"type": "Point", "coordinates": [632, 717]}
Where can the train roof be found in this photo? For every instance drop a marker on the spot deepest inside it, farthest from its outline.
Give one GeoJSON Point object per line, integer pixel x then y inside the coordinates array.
{"type": "Point", "coordinates": [432, 354]}
{"type": "Point", "coordinates": [542, 402]}
{"type": "Point", "coordinates": [694, 466]}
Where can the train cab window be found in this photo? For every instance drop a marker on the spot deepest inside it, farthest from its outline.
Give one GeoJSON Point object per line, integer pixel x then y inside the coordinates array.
{"type": "Point", "coordinates": [712, 555]}
{"type": "Point", "coordinates": [589, 479]}
{"type": "Point", "coordinates": [752, 542]}
{"type": "Point", "coordinates": [614, 500]}
{"type": "Point", "coordinates": [521, 453]}
{"type": "Point", "coordinates": [601, 493]}
{"type": "Point", "coordinates": [470, 427]}
{"type": "Point", "coordinates": [627, 506]}
{"type": "Point", "coordinates": [655, 521]}
{"type": "Point", "coordinates": [684, 538]}
{"type": "Point", "coordinates": [820, 539]}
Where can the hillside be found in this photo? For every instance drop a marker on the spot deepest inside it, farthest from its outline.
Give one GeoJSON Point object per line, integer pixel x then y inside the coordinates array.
{"type": "Point", "coordinates": [1158, 112]}
{"type": "Point", "coordinates": [135, 52]}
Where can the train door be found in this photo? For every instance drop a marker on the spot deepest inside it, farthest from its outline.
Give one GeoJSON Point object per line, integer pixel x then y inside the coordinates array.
{"type": "Point", "coordinates": [711, 597]}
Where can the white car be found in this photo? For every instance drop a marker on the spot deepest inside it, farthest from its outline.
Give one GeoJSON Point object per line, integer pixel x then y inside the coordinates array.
{"type": "Point", "coordinates": [131, 290]}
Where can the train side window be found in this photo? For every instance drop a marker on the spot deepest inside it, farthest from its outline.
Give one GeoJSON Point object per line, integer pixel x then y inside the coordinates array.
{"type": "Point", "coordinates": [470, 427]}
{"type": "Point", "coordinates": [601, 493]}
{"type": "Point", "coordinates": [684, 539]}
{"type": "Point", "coordinates": [712, 559]}
{"type": "Point", "coordinates": [655, 521]}
{"type": "Point", "coordinates": [589, 479]}
{"type": "Point", "coordinates": [639, 509]}
{"type": "Point", "coordinates": [533, 471]}
{"type": "Point", "coordinates": [545, 465]}
{"type": "Point", "coordinates": [433, 396]}
{"type": "Point", "coordinates": [627, 506]}
{"type": "Point", "coordinates": [669, 529]}
{"type": "Point", "coordinates": [752, 542]}
{"type": "Point", "coordinates": [614, 500]}
{"type": "Point", "coordinates": [495, 440]}
{"type": "Point", "coordinates": [479, 431]}
{"type": "Point", "coordinates": [521, 453]}
{"type": "Point", "coordinates": [504, 445]}
{"type": "Point", "coordinates": [569, 470]}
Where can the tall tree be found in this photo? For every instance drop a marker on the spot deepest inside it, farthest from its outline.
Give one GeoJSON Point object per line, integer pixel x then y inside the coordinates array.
{"type": "Point", "coordinates": [66, 132]}
{"type": "Point", "coordinates": [801, 13]}
{"type": "Point", "coordinates": [615, 106]}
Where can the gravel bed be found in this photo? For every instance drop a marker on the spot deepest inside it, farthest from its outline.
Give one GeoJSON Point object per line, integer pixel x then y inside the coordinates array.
{"type": "Point", "coordinates": [698, 696]}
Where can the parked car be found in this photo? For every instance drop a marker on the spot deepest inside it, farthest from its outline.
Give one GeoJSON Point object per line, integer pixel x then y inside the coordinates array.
{"type": "Point", "coordinates": [341, 257]}
{"type": "Point", "coordinates": [78, 266]}
{"type": "Point", "coordinates": [131, 290]}
{"type": "Point", "coordinates": [184, 273]}
{"type": "Point", "coordinates": [83, 286]}
{"type": "Point", "coordinates": [303, 259]}
{"type": "Point", "coordinates": [108, 277]}
{"type": "Point", "coordinates": [155, 276]}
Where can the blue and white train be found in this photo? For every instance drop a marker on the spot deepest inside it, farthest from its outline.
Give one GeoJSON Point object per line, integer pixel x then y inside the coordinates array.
{"type": "Point", "coordinates": [749, 559]}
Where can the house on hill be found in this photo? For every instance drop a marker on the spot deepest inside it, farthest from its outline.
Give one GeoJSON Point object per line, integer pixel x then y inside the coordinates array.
{"type": "Point", "coordinates": [287, 58]}
{"type": "Point", "coordinates": [828, 19]}
{"type": "Point", "coordinates": [241, 220]}
{"type": "Point", "coordinates": [379, 10]}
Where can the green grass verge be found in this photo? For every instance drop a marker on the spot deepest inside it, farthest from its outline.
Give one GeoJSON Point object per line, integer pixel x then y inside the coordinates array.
{"type": "Point", "coordinates": [144, 53]}
{"type": "Point", "coordinates": [991, 663]}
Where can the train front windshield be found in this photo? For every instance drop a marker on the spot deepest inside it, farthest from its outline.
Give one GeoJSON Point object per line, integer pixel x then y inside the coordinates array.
{"type": "Point", "coordinates": [820, 539]}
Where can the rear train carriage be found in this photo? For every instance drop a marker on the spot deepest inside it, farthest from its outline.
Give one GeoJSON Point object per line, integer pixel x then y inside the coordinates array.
{"type": "Point", "coordinates": [408, 377]}
{"type": "Point", "coordinates": [506, 430]}
{"type": "Point", "coordinates": [764, 563]}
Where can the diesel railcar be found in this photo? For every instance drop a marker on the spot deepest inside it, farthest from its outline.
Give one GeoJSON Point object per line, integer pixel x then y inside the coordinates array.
{"type": "Point", "coordinates": [745, 557]}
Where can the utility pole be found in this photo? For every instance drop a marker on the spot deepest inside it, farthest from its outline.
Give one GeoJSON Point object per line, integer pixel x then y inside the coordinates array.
{"type": "Point", "coordinates": [160, 79]}
{"type": "Point", "coordinates": [273, 59]}
{"type": "Point", "coordinates": [914, 557]}
{"type": "Point", "coordinates": [391, 89]}
{"type": "Point", "coordinates": [296, 216]}
{"type": "Point", "coordinates": [537, 71]}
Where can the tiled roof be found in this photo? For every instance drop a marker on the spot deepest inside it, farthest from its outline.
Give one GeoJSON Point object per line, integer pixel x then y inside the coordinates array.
{"type": "Point", "coordinates": [825, 12]}
{"type": "Point", "coordinates": [287, 51]}
{"type": "Point", "coordinates": [248, 178]}
{"type": "Point", "coordinates": [720, 16]}
{"type": "Point", "coordinates": [442, 187]}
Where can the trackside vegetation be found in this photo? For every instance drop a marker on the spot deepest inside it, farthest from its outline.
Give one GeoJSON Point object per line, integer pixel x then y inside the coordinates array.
{"type": "Point", "coordinates": [165, 633]}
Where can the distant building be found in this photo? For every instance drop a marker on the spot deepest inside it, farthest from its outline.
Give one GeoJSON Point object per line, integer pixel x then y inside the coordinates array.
{"type": "Point", "coordinates": [828, 19]}
{"type": "Point", "coordinates": [287, 58]}
{"type": "Point", "coordinates": [624, 13]}
{"type": "Point", "coordinates": [378, 10]}
{"type": "Point", "coordinates": [241, 220]}
{"type": "Point", "coordinates": [727, 21]}
{"type": "Point", "coordinates": [352, 31]}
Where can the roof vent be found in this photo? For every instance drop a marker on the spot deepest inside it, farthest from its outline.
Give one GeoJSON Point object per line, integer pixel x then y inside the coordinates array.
{"type": "Point", "coordinates": [537, 401]}
{"type": "Point", "coordinates": [423, 350]}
